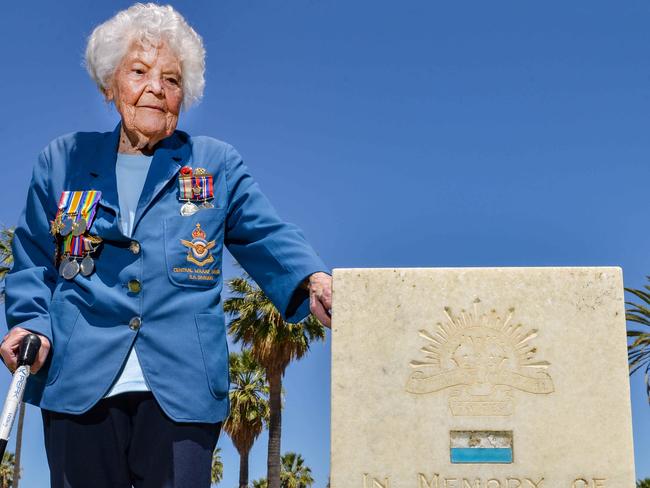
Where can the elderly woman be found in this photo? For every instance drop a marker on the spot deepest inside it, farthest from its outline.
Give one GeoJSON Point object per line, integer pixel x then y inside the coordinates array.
{"type": "Point", "coordinates": [118, 268]}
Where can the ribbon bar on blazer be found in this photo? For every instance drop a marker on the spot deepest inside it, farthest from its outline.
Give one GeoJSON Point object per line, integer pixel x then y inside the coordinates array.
{"type": "Point", "coordinates": [186, 185]}
{"type": "Point", "coordinates": [78, 204]}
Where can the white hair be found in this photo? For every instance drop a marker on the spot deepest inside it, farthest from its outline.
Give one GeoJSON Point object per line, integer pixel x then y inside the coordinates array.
{"type": "Point", "coordinates": [148, 24]}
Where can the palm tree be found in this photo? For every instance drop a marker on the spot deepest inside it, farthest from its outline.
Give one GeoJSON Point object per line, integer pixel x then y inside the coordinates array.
{"type": "Point", "coordinates": [294, 472]}
{"type": "Point", "coordinates": [7, 470]}
{"type": "Point", "coordinates": [645, 483]}
{"type": "Point", "coordinates": [274, 344]}
{"type": "Point", "coordinates": [249, 407]}
{"type": "Point", "coordinates": [6, 256]}
{"type": "Point", "coordinates": [639, 349]}
{"type": "Point", "coordinates": [6, 260]}
{"type": "Point", "coordinates": [217, 467]}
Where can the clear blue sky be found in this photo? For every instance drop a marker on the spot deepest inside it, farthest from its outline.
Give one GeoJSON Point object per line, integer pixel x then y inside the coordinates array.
{"type": "Point", "coordinates": [416, 133]}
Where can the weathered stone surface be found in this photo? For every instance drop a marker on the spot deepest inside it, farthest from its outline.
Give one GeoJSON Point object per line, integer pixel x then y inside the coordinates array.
{"type": "Point", "coordinates": [429, 365]}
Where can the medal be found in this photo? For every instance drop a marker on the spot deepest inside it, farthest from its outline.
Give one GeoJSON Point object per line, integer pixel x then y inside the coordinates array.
{"type": "Point", "coordinates": [194, 187]}
{"type": "Point", "coordinates": [76, 212]}
{"type": "Point", "coordinates": [189, 208]}
{"type": "Point", "coordinates": [67, 226]}
{"type": "Point", "coordinates": [75, 247]}
{"type": "Point", "coordinates": [62, 265]}
{"type": "Point", "coordinates": [90, 244]}
{"type": "Point", "coordinates": [79, 227]}
{"type": "Point", "coordinates": [87, 265]}
{"type": "Point", "coordinates": [70, 269]}
{"type": "Point", "coordinates": [56, 225]}
{"type": "Point", "coordinates": [75, 215]}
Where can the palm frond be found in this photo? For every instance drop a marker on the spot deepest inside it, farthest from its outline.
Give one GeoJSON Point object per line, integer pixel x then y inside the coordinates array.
{"type": "Point", "coordinates": [6, 255]}
{"type": "Point", "coordinates": [249, 406]}
{"type": "Point", "coordinates": [295, 474]}
{"type": "Point", "coordinates": [216, 474]}
{"type": "Point", "coordinates": [255, 322]}
{"type": "Point", "coordinates": [639, 347]}
{"type": "Point", "coordinates": [639, 293]}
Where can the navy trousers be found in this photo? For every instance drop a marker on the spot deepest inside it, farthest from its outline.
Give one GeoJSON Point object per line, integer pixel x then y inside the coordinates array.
{"type": "Point", "coordinates": [125, 441]}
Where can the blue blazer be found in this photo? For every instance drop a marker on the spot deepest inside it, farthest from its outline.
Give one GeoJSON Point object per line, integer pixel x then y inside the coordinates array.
{"type": "Point", "coordinates": [176, 321]}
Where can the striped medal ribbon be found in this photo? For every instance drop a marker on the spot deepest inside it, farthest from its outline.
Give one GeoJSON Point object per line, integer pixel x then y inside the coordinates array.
{"type": "Point", "coordinates": [195, 188]}
{"type": "Point", "coordinates": [73, 248]}
{"type": "Point", "coordinates": [76, 212]}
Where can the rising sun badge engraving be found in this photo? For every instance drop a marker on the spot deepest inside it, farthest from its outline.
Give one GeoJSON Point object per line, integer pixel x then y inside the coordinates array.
{"type": "Point", "coordinates": [481, 358]}
{"type": "Point", "coordinates": [199, 247]}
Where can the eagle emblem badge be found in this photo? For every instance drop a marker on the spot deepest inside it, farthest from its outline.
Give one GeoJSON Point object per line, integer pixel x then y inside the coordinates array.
{"type": "Point", "coordinates": [199, 247]}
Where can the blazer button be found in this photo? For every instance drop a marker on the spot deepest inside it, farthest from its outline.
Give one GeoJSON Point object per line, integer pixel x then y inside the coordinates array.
{"type": "Point", "coordinates": [134, 247]}
{"type": "Point", "coordinates": [135, 323]}
{"type": "Point", "coordinates": [134, 286]}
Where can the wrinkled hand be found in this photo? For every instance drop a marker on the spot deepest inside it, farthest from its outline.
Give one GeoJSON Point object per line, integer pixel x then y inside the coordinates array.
{"type": "Point", "coordinates": [11, 345]}
{"type": "Point", "coordinates": [320, 297]}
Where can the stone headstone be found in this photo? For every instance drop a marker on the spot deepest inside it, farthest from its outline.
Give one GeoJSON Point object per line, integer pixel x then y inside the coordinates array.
{"type": "Point", "coordinates": [480, 378]}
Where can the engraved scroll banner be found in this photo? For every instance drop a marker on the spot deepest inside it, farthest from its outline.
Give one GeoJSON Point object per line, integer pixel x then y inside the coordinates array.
{"type": "Point", "coordinates": [420, 383]}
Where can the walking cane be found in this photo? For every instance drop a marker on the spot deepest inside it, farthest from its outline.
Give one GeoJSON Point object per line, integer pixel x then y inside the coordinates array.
{"type": "Point", "coordinates": [27, 353]}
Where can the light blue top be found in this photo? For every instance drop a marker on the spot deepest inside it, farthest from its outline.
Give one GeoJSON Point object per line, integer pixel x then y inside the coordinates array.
{"type": "Point", "coordinates": [131, 172]}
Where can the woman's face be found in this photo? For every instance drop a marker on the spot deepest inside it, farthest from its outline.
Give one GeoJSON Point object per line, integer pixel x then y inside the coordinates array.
{"type": "Point", "coordinates": [147, 92]}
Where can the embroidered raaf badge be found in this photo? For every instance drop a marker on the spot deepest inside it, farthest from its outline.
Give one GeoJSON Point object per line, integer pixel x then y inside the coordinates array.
{"type": "Point", "coordinates": [199, 247]}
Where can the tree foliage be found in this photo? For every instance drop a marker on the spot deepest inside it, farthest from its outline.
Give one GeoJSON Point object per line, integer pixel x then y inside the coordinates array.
{"type": "Point", "coordinates": [7, 470]}
{"type": "Point", "coordinates": [249, 407]}
{"type": "Point", "coordinates": [639, 347]}
{"type": "Point", "coordinates": [294, 474]}
{"type": "Point", "coordinates": [257, 323]}
{"type": "Point", "coordinates": [6, 256]}
{"type": "Point", "coordinates": [260, 483]}
{"type": "Point", "coordinates": [217, 467]}
{"type": "Point", "coordinates": [274, 343]}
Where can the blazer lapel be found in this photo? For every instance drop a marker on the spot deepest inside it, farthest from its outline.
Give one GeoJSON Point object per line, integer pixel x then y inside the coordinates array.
{"type": "Point", "coordinates": [103, 169]}
{"type": "Point", "coordinates": [168, 157]}
{"type": "Point", "coordinates": [102, 178]}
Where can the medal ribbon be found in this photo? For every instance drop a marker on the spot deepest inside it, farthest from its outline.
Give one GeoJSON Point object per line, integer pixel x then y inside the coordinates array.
{"type": "Point", "coordinates": [79, 204]}
{"type": "Point", "coordinates": [89, 207]}
{"type": "Point", "coordinates": [187, 183]}
{"type": "Point", "coordinates": [74, 245]}
{"type": "Point", "coordinates": [63, 203]}
{"type": "Point", "coordinates": [207, 190]}
{"type": "Point", "coordinates": [185, 187]}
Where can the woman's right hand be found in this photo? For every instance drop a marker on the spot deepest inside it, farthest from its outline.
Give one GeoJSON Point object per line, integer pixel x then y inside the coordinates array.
{"type": "Point", "coordinates": [11, 344]}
